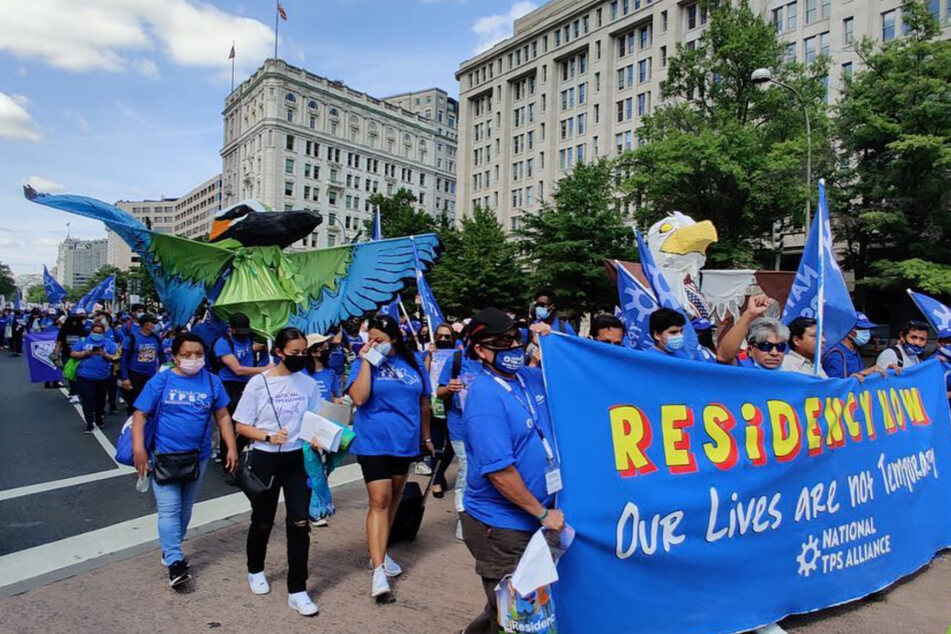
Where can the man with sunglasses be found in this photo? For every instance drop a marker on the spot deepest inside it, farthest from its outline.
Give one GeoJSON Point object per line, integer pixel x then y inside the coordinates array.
{"type": "Point", "coordinates": [912, 339]}
{"type": "Point", "coordinates": [513, 472]}
{"type": "Point", "coordinates": [767, 338]}
{"type": "Point", "coordinates": [544, 312]}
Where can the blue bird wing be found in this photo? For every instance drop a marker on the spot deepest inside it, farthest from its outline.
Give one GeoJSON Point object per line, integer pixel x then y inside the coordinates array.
{"type": "Point", "coordinates": [183, 270]}
{"type": "Point", "coordinates": [373, 275]}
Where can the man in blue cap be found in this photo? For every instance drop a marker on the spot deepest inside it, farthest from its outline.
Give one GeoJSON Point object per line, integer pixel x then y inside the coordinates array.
{"type": "Point", "coordinates": [844, 359]}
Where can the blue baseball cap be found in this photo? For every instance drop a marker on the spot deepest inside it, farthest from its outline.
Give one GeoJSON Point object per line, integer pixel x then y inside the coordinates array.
{"type": "Point", "coordinates": [862, 321]}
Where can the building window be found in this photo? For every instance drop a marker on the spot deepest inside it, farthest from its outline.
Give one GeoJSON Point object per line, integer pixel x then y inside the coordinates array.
{"type": "Point", "coordinates": [826, 8]}
{"type": "Point", "coordinates": [288, 166]}
{"type": "Point", "coordinates": [810, 44]}
{"type": "Point", "coordinates": [791, 10]}
{"type": "Point", "coordinates": [691, 17]}
{"type": "Point", "coordinates": [289, 97]}
{"type": "Point", "coordinates": [290, 115]}
{"type": "Point", "coordinates": [812, 12]}
{"type": "Point", "coordinates": [288, 188]}
{"type": "Point", "coordinates": [614, 10]}
{"type": "Point", "coordinates": [847, 72]}
{"type": "Point", "coordinates": [778, 18]}
{"type": "Point", "coordinates": [888, 26]}
{"type": "Point", "coordinates": [848, 30]}
{"type": "Point", "coordinates": [289, 142]}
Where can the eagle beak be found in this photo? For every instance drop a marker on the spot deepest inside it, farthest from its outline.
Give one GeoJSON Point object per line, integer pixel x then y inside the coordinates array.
{"type": "Point", "coordinates": [218, 227]}
{"type": "Point", "coordinates": [690, 239]}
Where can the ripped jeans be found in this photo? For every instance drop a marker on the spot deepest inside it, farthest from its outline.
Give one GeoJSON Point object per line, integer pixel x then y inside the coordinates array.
{"type": "Point", "coordinates": [287, 469]}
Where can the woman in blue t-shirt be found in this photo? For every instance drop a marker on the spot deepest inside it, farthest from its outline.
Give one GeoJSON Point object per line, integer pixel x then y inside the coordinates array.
{"type": "Point", "coordinates": [182, 401]}
{"type": "Point", "coordinates": [96, 354]}
{"type": "Point", "coordinates": [391, 391]}
{"type": "Point", "coordinates": [318, 350]}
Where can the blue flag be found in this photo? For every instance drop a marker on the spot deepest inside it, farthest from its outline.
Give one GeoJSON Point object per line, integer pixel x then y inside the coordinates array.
{"type": "Point", "coordinates": [393, 308]}
{"type": "Point", "coordinates": [818, 290]}
{"type": "Point", "coordinates": [635, 309]}
{"type": "Point", "coordinates": [430, 306]}
{"type": "Point", "coordinates": [95, 295]}
{"type": "Point", "coordinates": [16, 301]}
{"type": "Point", "coordinates": [54, 291]}
{"type": "Point", "coordinates": [937, 314]}
{"type": "Point", "coordinates": [110, 291]}
{"type": "Point", "coordinates": [377, 233]}
{"type": "Point", "coordinates": [666, 298]}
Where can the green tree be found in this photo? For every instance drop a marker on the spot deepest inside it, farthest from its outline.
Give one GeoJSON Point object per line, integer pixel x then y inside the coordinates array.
{"type": "Point", "coordinates": [721, 148]}
{"type": "Point", "coordinates": [399, 215]}
{"type": "Point", "coordinates": [36, 294]}
{"type": "Point", "coordinates": [7, 285]}
{"type": "Point", "coordinates": [894, 127]}
{"type": "Point", "coordinates": [478, 267]}
{"type": "Point", "coordinates": [564, 245]}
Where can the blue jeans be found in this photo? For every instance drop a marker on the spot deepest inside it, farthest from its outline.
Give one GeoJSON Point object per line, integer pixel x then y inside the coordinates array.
{"type": "Point", "coordinates": [174, 502]}
{"type": "Point", "coordinates": [460, 489]}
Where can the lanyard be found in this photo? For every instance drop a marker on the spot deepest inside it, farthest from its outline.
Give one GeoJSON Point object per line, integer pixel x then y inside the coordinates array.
{"type": "Point", "coordinates": [529, 405]}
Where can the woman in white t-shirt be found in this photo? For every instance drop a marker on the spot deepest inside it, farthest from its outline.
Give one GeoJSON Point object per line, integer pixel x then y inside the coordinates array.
{"type": "Point", "coordinates": [269, 414]}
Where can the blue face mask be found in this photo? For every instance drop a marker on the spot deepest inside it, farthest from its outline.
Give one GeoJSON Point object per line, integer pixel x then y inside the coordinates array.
{"type": "Point", "coordinates": [862, 337]}
{"type": "Point", "coordinates": [542, 313]}
{"type": "Point", "coordinates": [97, 337]}
{"type": "Point", "coordinates": [384, 348]}
{"type": "Point", "coordinates": [913, 350]}
{"type": "Point", "coordinates": [675, 342]}
{"type": "Point", "coordinates": [509, 361]}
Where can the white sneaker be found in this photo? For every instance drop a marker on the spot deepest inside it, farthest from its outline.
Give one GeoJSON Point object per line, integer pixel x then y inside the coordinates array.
{"type": "Point", "coordinates": [380, 583]}
{"type": "Point", "coordinates": [423, 469]}
{"type": "Point", "coordinates": [390, 567]}
{"type": "Point", "coordinates": [301, 602]}
{"type": "Point", "coordinates": [74, 400]}
{"type": "Point", "coordinates": [322, 522]}
{"type": "Point", "coordinates": [773, 628]}
{"type": "Point", "coordinates": [258, 583]}
{"type": "Point", "coordinates": [459, 530]}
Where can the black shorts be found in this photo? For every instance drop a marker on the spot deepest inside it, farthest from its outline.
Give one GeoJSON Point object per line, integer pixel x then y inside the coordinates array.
{"type": "Point", "coordinates": [384, 467]}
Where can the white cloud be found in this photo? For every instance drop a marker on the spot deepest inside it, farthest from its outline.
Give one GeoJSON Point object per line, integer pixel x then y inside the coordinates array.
{"type": "Point", "coordinates": [46, 242]}
{"type": "Point", "coordinates": [41, 184]}
{"type": "Point", "coordinates": [492, 29]}
{"type": "Point", "coordinates": [15, 121]}
{"type": "Point", "coordinates": [113, 36]}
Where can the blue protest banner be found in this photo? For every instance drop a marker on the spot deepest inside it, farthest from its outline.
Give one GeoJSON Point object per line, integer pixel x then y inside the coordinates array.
{"type": "Point", "coordinates": [430, 307]}
{"type": "Point", "coordinates": [937, 314]}
{"type": "Point", "coordinates": [716, 499]}
{"type": "Point", "coordinates": [95, 295]}
{"type": "Point", "coordinates": [818, 290]}
{"type": "Point", "coordinates": [54, 290]}
{"type": "Point", "coordinates": [39, 356]}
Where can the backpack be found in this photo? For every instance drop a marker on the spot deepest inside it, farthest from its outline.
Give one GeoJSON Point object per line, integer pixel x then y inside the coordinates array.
{"type": "Point", "coordinates": [900, 357]}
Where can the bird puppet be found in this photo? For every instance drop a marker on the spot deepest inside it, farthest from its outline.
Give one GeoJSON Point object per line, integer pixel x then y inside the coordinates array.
{"type": "Point", "coordinates": [679, 246]}
{"type": "Point", "coordinates": [312, 290]}
{"type": "Point", "coordinates": [254, 225]}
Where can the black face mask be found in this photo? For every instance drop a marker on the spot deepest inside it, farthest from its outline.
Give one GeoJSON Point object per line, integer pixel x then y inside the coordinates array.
{"type": "Point", "coordinates": [295, 363]}
{"type": "Point", "coordinates": [444, 345]}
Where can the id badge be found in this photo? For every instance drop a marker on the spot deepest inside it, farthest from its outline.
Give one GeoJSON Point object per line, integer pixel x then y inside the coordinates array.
{"type": "Point", "coordinates": [553, 478]}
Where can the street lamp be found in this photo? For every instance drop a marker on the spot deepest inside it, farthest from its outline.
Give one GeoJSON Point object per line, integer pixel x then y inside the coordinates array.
{"type": "Point", "coordinates": [762, 76]}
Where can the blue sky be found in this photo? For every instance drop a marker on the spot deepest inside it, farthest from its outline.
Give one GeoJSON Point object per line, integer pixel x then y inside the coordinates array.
{"type": "Point", "coordinates": [122, 100]}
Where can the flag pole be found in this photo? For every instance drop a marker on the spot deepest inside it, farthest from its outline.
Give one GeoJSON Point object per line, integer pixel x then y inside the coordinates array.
{"type": "Point", "coordinates": [232, 65]}
{"type": "Point", "coordinates": [277, 15]}
{"type": "Point", "coordinates": [820, 308]}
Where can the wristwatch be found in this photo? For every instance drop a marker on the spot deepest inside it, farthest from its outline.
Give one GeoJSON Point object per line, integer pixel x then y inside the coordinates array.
{"type": "Point", "coordinates": [267, 439]}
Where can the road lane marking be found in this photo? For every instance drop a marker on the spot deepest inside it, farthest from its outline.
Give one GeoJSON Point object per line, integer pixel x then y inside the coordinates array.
{"type": "Point", "coordinates": [52, 485]}
{"type": "Point", "coordinates": [48, 558]}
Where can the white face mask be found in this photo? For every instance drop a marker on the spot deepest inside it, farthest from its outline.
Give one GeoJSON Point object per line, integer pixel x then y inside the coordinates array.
{"type": "Point", "coordinates": [191, 366]}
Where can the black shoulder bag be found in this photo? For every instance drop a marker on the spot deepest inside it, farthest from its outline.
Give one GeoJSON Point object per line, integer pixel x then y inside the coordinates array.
{"type": "Point", "coordinates": [181, 466]}
{"type": "Point", "coordinates": [247, 480]}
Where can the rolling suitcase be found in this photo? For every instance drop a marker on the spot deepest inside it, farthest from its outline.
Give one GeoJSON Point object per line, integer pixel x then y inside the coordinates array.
{"type": "Point", "coordinates": [409, 515]}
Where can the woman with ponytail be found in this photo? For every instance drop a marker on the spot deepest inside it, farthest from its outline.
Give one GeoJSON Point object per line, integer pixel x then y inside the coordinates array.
{"type": "Point", "coordinates": [391, 391]}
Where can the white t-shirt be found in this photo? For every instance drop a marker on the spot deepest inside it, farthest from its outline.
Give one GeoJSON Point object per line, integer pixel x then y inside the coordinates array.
{"type": "Point", "coordinates": [887, 357]}
{"type": "Point", "coordinates": [292, 395]}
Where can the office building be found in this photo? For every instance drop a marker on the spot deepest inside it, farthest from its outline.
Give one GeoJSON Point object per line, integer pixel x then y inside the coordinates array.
{"type": "Point", "coordinates": [295, 140]}
{"type": "Point", "coordinates": [78, 260]}
{"type": "Point", "coordinates": [576, 78]}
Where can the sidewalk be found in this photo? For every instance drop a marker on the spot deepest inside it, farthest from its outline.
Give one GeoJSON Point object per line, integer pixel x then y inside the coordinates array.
{"type": "Point", "coordinates": [438, 593]}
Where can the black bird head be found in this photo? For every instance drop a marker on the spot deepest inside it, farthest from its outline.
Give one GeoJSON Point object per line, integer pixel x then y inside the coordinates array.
{"type": "Point", "coordinates": [253, 225]}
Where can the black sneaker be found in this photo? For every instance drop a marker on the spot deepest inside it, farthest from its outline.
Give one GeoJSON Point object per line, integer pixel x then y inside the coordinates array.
{"type": "Point", "coordinates": [178, 574]}
{"type": "Point", "coordinates": [89, 428]}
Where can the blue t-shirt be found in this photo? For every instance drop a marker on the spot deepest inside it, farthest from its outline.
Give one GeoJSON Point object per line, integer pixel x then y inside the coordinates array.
{"type": "Point", "coordinates": [467, 374]}
{"type": "Point", "coordinates": [557, 325]}
{"type": "Point", "coordinates": [188, 404]}
{"type": "Point", "coordinates": [328, 382]}
{"type": "Point", "coordinates": [499, 433]}
{"type": "Point", "coordinates": [243, 350]}
{"type": "Point", "coordinates": [142, 354]}
{"type": "Point", "coordinates": [840, 362]}
{"type": "Point", "coordinates": [388, 424]}
{"type": "Point", "coordinates": [95, 368]}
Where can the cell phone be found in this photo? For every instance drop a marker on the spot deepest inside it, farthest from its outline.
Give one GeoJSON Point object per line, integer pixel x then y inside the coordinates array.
{"type": "Point", "coordinates": [374, 357]}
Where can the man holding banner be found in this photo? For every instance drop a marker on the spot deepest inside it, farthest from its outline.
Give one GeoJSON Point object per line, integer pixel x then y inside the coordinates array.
{"type": "Point", "coordinates": [513, 472]}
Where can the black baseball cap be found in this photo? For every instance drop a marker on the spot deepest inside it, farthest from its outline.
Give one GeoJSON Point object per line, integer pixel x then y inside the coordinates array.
{"type": "Point", "coordinates": [490, 322]}
{"type": "Point", "coordinates": [240, 324]}
{"type": "Point", "coordinates": [147, 319]}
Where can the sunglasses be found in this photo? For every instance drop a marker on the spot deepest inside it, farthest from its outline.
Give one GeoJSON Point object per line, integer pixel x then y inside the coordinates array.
{"type": "Point", "coordinates": [502, 342]}
{"type": "Point", "coordinates": [443, 337]}
{"type": "Point", "coordinates": [768, 346]}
